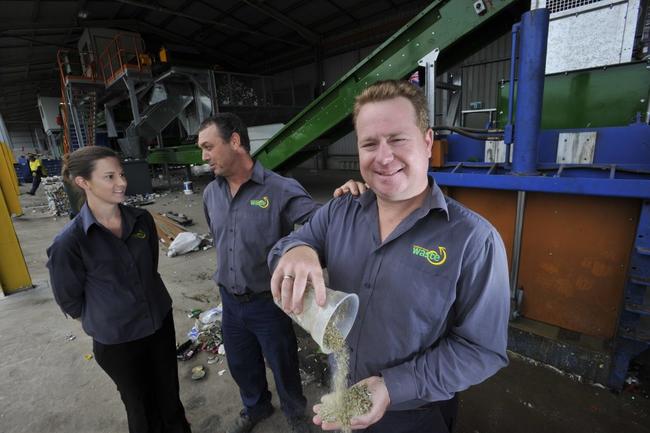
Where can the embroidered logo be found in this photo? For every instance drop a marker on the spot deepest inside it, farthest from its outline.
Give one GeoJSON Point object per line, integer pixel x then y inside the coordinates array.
{"type": "Point", "coordinates": [436, 258]}
{"type": "Point", "coordinates": [140, 234]}
{"type": "Point", "coordinates": [263, 202]}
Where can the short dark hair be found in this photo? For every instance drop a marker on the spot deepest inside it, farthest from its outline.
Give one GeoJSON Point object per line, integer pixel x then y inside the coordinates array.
{"type": "Point", "coordinates": [227, 124]}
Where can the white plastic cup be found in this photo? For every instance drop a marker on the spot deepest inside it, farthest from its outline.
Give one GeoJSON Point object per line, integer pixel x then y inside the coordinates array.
{"type": "Point", "coordinates": [187, 187]}
{"type": "Point", "coordinates": [339, 307]}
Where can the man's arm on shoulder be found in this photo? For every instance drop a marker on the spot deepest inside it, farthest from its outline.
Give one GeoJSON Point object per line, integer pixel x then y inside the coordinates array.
{"type": "Point", "coordinates": [475, 347]}
{"type": "Point", "coordinates": [299, 206]}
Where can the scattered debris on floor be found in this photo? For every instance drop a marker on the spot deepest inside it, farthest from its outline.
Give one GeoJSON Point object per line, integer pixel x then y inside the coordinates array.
{"type": "Point", "coordinates": [198, 372]}
{"type": "Point", "coordinates": [180, 218]}
{"type": "Point", "coordinates": [194, 313]}
{"type": "Point", "coordinates": [176, 239]}
{"type": "Point", "coordinates": [204, 336]}
{"type": "Point", "coordinates": [57, 198]}
{"type": "Point", "coordinates": [138, 200]}
{"type": "Point", "coordinates": [70, 337]}
{"type": "Point", "coordinates": [88, 356]}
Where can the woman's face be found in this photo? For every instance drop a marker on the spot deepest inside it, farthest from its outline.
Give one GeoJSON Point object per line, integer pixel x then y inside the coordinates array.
{"type": "Point", "coordinates": [107, 182]}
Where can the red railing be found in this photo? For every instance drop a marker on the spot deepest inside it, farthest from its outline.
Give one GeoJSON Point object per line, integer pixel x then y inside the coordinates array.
{"type": "Point", "coordinates": [125, 51]}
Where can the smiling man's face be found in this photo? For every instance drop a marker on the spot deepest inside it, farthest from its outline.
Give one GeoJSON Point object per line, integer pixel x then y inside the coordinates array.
{"type": "Point", "coordinates": [393, 152]}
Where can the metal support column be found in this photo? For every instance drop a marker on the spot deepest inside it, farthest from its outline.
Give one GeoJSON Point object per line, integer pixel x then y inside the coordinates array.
{"type": "Point", "coordinates": [533, 35]}
{"type": "Point", "coordinates": [133, 98]}
{"type": "Point", "coordinates": [515, 292]}
{"type": "Point", "coordinates": [429, 64]}
{"type": "Point", "coordinates": [14, 274]}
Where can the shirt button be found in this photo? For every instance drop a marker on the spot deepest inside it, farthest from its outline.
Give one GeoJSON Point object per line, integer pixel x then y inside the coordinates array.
{"type": "Point", "coordinates": [230, 230]}
{"type": "Point", "coordinates": [229, 249]}
{"type": "Point", "coordinates": [366, 285]}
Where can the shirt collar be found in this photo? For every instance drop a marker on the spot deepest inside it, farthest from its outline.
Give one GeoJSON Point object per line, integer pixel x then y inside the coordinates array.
{"type": "Point", "coordinates": [257, 175]}
{"type": "Point", "coordinates": [434, 200]}
{"type": "Point", "coordinates": [88, 219]}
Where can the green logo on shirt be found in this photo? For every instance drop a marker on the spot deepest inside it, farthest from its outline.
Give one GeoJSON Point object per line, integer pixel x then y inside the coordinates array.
{"type": "Point", "coordinates": [140, 234]}
{"type": "Point", "coordinates": [436, 258]}
{"type": "Point", "coordinates": [263, 203]}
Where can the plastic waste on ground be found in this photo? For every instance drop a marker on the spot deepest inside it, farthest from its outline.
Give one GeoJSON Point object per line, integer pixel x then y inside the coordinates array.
{"type": "Point", "coordinates": [184, 243]}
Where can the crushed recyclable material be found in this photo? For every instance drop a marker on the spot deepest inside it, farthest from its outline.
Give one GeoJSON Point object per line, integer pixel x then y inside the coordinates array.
{"type": "Point", "coordinates": [140, 199]}
{"type": "Point", "coordinates": [57, 199]}
{"type": "Point", "coordinates": [204, 336]}
{"type": "Point", "coordinates": [212, 315]}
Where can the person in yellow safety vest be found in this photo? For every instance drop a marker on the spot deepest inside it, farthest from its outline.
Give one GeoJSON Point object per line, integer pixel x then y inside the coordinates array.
{"type": "Point", "coordinates": [38, 171]}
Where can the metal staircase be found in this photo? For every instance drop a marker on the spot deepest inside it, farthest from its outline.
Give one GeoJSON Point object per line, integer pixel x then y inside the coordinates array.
{"type": "Point", "coordinates": [79, 101]}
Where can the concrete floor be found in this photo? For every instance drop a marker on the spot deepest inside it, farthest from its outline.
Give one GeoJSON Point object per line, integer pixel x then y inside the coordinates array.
{"type": "Point", "coordinates": [46, 384]}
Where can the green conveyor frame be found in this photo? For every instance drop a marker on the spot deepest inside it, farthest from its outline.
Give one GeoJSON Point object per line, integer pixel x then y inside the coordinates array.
{"type": "Point", "coordinates": [452, 26]}
{"type": "Point", "coordinates": [442, 25]}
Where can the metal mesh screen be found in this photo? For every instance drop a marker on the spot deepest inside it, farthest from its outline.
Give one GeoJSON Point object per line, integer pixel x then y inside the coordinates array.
{"type": "Point", "coordinates": [563, 5]}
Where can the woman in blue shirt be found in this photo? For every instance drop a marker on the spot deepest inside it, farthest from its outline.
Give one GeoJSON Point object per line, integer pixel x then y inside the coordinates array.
{"type": "Point", "coordinates": [104, 272]}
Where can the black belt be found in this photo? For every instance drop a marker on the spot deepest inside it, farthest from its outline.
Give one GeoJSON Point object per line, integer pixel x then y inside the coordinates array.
{"type": "Point", "coordinates": [251, 296]}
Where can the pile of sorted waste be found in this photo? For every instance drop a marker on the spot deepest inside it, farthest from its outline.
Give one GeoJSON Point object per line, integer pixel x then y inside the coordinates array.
{"type": "Point", "coordinates": [57, 199]}
{"type": "Point", "coordinates": [205, 335]}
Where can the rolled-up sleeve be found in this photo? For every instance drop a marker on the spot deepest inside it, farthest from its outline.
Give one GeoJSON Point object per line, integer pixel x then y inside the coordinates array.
{"type": "Point", "coordinates": [67, 276]}
{"type": "Point", "coordinates": [474, 348]}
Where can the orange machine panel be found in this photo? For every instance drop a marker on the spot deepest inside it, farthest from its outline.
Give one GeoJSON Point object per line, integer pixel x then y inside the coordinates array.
{"type": "Point", "coordinates": [574, 258]}
{"type": "Point", "coordinates": [497, 206]}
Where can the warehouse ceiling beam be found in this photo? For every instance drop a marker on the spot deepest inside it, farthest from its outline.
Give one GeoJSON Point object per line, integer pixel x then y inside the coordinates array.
{"type": "Point", "coordinates": [36, 9]}
{"type": "Point", "coordinates": [11, 27]}
{"type": "Point", "coordinates": [227, 13]}
{"type": "Point", "coordinates": [32, 41]}
{"type": "Point", "coordinates": [343, 11]}
{"type": "Point", "coordinates": [236, 62]}
{"type": "Point", "coordinates": [236, 37]}
{"type": "Point", "coordinates": [207, 21]}
{"type": "Point", "coordinates": [164, 23]}
{"type": "Point", "coordinates": [308, 35]}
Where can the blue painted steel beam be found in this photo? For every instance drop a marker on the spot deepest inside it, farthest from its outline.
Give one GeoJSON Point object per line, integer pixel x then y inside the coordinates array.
{"type": "Point", "coordinates": [637, 188]}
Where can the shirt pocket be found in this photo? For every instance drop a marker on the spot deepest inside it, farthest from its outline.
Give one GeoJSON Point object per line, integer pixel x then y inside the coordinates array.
{"type": "Point", "coordinates": [421, 297]}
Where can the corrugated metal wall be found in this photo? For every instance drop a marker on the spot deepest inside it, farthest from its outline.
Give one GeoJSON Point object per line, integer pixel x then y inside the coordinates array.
{"type": "Point", "coordinates": [480, 75]}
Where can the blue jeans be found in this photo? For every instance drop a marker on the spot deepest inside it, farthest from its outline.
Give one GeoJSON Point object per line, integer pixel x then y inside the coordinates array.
{"type": "Point", "coordinates": [255, 330]}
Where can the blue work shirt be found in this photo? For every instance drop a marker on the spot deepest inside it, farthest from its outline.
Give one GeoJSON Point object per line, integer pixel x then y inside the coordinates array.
{"type": "Point", "coordinates": [111, 283]}
{"type": "Point", "coordinates": [246, 226]}
{"type": "Point", "coordinates": [433, 297]}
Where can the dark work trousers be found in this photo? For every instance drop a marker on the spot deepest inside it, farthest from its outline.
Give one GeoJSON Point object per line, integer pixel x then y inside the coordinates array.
{"type": "Point", "coordinates": [36, 181]}
{"type": "Point", "coordinates": [146, 375]}
{"type": "Point", "coordinates": [438, 417]}
{"type": "Point", "coordinates": [255, 330]}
